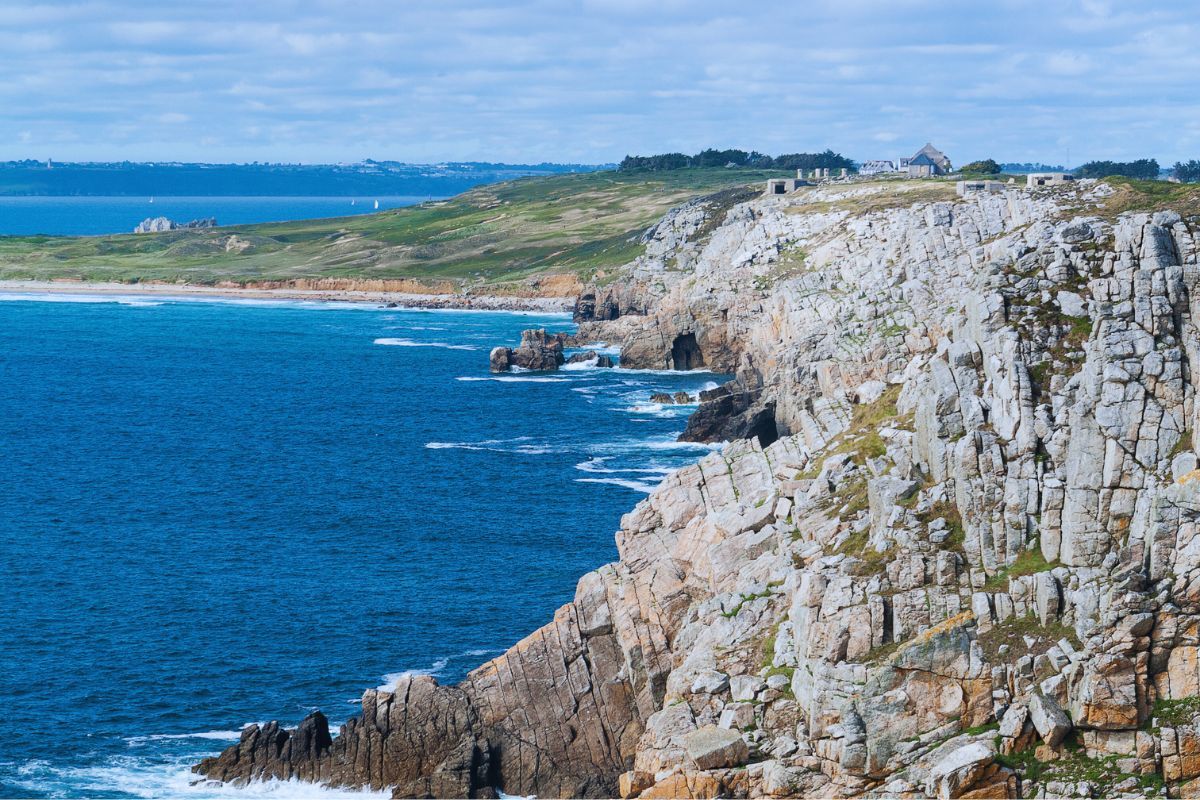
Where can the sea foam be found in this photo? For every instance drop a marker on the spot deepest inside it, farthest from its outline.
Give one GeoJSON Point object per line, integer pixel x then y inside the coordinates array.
{"type": "Point", "coordinates": [395, 342]}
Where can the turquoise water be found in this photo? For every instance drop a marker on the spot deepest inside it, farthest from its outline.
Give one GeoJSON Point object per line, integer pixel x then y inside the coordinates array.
{"type": "Point", "coordinates": [218, 513]}
{"type": "Point", "coordinates": [89, 216]}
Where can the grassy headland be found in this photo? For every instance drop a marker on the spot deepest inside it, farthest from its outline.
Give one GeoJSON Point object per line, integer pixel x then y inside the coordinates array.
{"type": "Point", "coordinates": [498, 236]}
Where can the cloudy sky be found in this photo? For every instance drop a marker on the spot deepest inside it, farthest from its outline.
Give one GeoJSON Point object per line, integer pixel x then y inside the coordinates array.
{"type": "Point", "coordinates": [593, 80]}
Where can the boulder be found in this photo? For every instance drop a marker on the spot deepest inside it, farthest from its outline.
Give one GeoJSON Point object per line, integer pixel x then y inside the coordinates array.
{"type": "Point", "coordinates": [1050, 721]}
{"type": "Point", "coordinates": [715, 748]}
{"type": "Point", "coordinates": [500, 359]}
{"type": "Point", "coordinates": [958, 771]}
{"type": "Point", "coordinates": [737, 716]}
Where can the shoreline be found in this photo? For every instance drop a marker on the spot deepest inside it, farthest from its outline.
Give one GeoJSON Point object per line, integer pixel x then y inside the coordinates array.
{"type": "Point", "coordinates": [463, 302]}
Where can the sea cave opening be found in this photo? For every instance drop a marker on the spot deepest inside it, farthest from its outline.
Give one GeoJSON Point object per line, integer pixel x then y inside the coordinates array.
{"type": "Point", "coordinates": [685, 353]}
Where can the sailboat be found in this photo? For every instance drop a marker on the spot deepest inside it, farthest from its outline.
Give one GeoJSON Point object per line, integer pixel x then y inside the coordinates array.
{"type": "Point", "coordinates": [376, 205]}
{"type": "Point", "coordinates": [151, 199]}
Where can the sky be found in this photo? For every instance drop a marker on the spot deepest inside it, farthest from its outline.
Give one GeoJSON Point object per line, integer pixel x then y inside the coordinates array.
{"type": "Point", "coordinates": [589, 81]}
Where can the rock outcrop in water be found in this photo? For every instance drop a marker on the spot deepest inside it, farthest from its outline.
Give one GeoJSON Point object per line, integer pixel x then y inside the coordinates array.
{"type": "Point", "coordinates": [537, 351]}
{"type": "Point", "coordinates": [965, 561]}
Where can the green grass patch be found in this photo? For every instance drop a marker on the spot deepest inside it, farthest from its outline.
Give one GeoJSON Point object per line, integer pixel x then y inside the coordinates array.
{"type": "Point", "coordinates": [578, 224]}
{"type": "Point", "coordinates": [1027, 562]}
{"type": "Point", "coordinates": [1012, 632]}
{"type": "Point", "coordinates": [1173, 713]}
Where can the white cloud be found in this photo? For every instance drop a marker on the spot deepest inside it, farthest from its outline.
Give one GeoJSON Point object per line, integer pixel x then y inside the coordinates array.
{"type": "Point", "coordinates": [531, 80]}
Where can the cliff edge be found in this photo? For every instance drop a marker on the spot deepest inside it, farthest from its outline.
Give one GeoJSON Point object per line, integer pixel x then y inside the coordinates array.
{"type": "Point", "coordinates": [952, 552]}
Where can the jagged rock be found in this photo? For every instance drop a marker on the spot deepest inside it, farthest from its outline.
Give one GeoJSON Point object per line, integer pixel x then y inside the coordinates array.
{"type": "Point", "coordinates": [728, 412]}
{"type": "Point", "coordinates": [1051, 723]}
{"type": "Point", "coordinates": [916, 415]}
{"type": "Point", "coordinates": [678, 398]}
{"type": "Point", "coordinates": [711, 747]}
{"type": "Point", "coordinates": [537, 351]}
{"type": "Point", "coordinates": [500, 359]}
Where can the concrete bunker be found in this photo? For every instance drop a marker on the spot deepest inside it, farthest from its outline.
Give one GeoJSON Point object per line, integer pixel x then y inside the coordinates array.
{"type": "Point", "coordinates": [685, 352]}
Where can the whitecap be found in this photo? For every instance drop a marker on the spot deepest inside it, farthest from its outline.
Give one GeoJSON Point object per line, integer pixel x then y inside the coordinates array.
{"type": "Point", "coordinates": [595, 465]}
{"type": "Point", "coordinates": [514, 379]}
{"type": "Point", "coordinates": [591, 363]}
{"type": "Point", "coordinates": [139, 776]}
{"type": "Point", "coordinates": [656, 409]}
{"type": "Point", "coordinates": [603, 348]}
{"type": "Point", "coordinates": [637, 486]}
{"type": "Point", "coordinates": [494, 446]}
{"type": "Point", "coordinates": [677, 372]}
{"type": "Point", "coordinates": [707, 446]}
{"type": "Point", "coordinates": [392, 679]}
{"type": "Point", "coordinates": [219, 736]}
{"type": "Point", "coordinates": [395, 342]}
{"type": "Point", "coordinates": [485, 651]}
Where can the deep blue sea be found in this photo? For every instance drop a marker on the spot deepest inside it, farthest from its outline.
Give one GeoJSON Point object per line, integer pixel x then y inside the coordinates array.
{"type": "Point", "coordinates": [89, 216]}
{"type": "Point", "coordinates": [222, 512]}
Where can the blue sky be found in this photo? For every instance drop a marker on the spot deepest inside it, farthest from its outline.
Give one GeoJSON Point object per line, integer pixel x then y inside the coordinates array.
{"type": "Point", "coordinates": [592, 80]}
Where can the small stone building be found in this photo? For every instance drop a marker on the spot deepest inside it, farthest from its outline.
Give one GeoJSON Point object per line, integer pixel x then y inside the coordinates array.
{"type": "Point", "coordinates": [1036, 179]}
{"type": "Point", "coordinates": [783, 185]}
{"type": "Point", "coordinates": [970, 187]}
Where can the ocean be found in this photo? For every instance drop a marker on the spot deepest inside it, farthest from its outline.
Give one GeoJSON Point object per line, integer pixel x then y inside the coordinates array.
{"type": "Point", "coordinates": [219, 512]}
{"type": "Point", "coordinates": [91, 216]}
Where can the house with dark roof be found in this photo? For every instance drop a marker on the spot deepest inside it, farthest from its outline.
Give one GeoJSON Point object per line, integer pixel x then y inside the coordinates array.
{"type": "Point", "coordinates": [928, 161]}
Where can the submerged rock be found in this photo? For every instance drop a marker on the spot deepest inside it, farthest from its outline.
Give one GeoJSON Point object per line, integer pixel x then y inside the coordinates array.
{"type": "Point", "coordinates": [587, 356]}
{"type": "Point", "coordinates": [676, 399]}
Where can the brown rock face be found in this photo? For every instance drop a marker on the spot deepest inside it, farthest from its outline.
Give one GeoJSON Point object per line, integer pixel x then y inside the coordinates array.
{"type": "Point", "coordinates": [558, 715]}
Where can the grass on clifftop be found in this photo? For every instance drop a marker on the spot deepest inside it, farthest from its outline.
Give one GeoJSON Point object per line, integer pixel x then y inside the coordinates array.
{"type": "Point", "coordinates": [578, 224]}
{"type": "Point", "coordinates": [1135, 195]}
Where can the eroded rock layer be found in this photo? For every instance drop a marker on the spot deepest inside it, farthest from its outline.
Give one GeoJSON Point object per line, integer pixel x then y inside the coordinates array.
{"type": "Point", "coordinates": [958, 554]}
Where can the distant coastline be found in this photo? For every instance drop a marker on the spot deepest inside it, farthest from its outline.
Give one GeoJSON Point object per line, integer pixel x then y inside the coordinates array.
{"type": "Point", "coordinates": [448, 300]}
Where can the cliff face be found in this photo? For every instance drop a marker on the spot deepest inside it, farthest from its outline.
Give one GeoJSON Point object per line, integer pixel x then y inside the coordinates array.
{"type": "Point", "coordinates": [965, 564]}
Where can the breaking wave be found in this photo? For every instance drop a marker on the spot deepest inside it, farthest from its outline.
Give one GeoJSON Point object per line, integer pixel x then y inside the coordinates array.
{"type": "Point", "coordinates": [395, 342]}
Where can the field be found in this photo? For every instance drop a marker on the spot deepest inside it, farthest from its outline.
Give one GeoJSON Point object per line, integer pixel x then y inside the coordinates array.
{"type": "Point", "coordinates": [495, 236]}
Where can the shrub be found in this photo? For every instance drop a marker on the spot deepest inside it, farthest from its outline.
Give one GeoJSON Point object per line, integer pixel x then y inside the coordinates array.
{"type": "Point", "coordinates": [986, 167]}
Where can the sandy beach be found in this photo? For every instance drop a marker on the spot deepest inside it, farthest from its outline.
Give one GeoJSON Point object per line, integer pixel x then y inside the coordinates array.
{"type": "Point", "coordinates": [482, 302]}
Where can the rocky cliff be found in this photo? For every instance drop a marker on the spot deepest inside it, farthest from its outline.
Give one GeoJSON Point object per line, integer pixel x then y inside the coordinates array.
{"type": "Point", "coordinates": [956, 555]}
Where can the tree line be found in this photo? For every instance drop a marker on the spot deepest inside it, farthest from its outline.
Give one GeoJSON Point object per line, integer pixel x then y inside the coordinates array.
{"type": "Point", "coordinates": [739, 158]}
